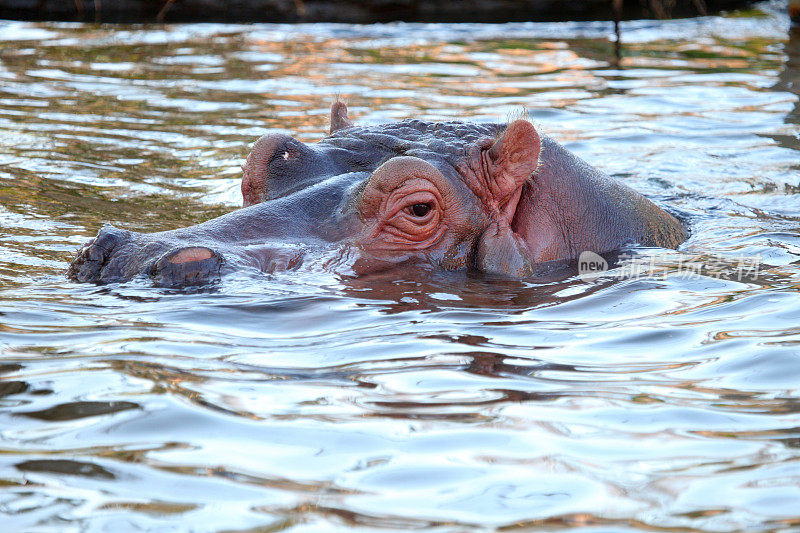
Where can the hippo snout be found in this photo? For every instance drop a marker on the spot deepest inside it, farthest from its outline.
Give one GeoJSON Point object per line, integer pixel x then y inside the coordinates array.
{"type": "Point", "coordinates": [119, 255]}
{"type": "Point", "coordinates": [93, 258]}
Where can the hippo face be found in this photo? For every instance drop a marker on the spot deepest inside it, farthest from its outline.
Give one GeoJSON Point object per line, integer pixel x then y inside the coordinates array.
{"type": "Point", "coordinates": [453, 209]}
{"type": "Point", "coordinates": [492, 197]}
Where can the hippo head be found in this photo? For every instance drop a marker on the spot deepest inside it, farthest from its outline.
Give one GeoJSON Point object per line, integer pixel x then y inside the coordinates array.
{"type": "Point", "coordinates": [493, 197]}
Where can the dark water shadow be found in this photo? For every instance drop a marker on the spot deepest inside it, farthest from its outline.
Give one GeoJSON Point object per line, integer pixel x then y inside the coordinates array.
{"type": "Point", "coordinates": [78, 410]}
{"type": "Point", "coordinates": [67, 467]}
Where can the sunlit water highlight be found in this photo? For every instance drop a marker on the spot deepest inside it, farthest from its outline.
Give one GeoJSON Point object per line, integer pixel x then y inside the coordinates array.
{"type": "Point", "coordinates": [310, 401]}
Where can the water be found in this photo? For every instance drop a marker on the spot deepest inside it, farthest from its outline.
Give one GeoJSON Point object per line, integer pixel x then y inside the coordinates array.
{"type": "Point", "coordinates": [314, 402]}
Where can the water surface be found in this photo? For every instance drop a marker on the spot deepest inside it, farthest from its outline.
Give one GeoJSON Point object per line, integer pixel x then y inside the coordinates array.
{"type": "Point", "coordinates": [450, 402]}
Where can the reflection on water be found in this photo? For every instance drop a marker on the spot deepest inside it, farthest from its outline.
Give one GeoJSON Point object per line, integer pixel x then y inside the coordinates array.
{"type": "Point", "coordinates": [406, 399]}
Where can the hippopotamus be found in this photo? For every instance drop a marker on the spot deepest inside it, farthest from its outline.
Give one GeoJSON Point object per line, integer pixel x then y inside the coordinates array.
{"type": "Point", "coordinates": [501, 199]}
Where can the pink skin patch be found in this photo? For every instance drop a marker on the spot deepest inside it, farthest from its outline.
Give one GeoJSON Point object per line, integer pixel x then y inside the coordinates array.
{"type": "Point", "coordinates": [188, 255]}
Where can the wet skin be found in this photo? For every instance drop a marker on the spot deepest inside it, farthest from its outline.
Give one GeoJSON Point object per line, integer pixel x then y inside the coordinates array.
{"type": "Point", "coordinates": [492, 197]}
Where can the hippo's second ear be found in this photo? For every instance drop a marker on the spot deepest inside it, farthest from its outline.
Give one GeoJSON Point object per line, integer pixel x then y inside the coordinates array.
{"type": "Point", "coordinates": [339, 120]}
{"type": "Point", "coordinates": [515, 157]}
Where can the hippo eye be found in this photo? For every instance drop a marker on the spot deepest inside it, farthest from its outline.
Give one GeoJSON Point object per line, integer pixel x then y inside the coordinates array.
{"type": "Point", "coordinates": [420, 210]}
{"type": "Point", "coordinates": [290, 151]}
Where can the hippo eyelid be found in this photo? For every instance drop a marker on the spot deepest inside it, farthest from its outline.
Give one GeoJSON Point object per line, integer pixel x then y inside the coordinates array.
{"type": "Point", "coordinates": [402, 202]}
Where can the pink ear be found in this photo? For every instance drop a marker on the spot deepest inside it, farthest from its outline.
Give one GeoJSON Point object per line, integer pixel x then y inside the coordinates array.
{"type": "Point", "coordinates": [515, 157]}
{"type": "Point", "coordinates": [339, 119]}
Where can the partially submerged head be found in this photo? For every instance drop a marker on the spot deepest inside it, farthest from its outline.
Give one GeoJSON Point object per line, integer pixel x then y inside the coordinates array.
{"type": "Point", "coordinates": [451, 195]}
